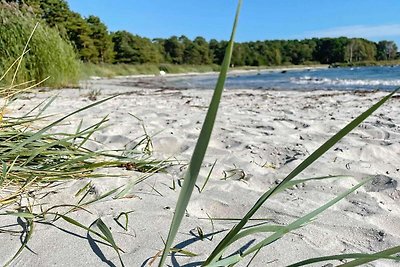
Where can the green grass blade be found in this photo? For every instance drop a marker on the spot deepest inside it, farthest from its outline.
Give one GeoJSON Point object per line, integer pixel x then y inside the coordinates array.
{"type": "Point", "coordinates": [23, 52]}
{"type": "Point", "coordinates": [126, 216]}
{"type": "Point", "coordinates": [109, 193]}
{"type": "Point", "coordinates": [258, 229]}
{"type": "Point", "coordinates": [39, 133]}
{"type": "Point", "coordinates": [226, 262]}
{"type": "Point", "coordinates": [87, 186]}
{"type": "Point", "coordinates": [201, 145]}
{"type": "Point", "coordinates": [3, 172]}
{"type": "Point", "coordinates": [303, 165]}
{"type": "Point", "coordinates": [107, 233]}
{"type": "Point", "coordinates": [307, 218]}
{"type": "Point", "coordinates": [78, 224]}
{"type": "Point", "coordinates": [372, 257]}
{"type": "Point", "coordinates": [358, 256]}
{"type": "Point", "coordinates": [208, 177]}
{"type": "Point", "coordinates": [95, 129]}
{"type": "Point", "coordinates": [25, 242]}
{"type": "Point", "coordinates": [78, 129]}
{"type": "Point", "coordinates": [49, 102]}
{"type": "Point", "coordinates": [25, 215]}
{"type": "Point", "coordinates": [280, 232]}
{"type": "Point", "coordinates": [143, 177]}
{"type": "Point", "coordinates": [183, 252]}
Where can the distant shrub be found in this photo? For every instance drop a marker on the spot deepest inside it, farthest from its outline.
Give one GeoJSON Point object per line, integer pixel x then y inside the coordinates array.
{"type": "Point", "coordinates": [49, 54]}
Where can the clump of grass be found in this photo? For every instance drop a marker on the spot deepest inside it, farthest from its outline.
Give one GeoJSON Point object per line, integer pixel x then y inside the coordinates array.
{"type": "Point", "coordinates": [48, 55]}
{"type": "Point", "coordinates": [30, 157]}
{"type": "Point", "coordinates": [34, 159]}
{"type": "Point", "coordinates": [217, 258]}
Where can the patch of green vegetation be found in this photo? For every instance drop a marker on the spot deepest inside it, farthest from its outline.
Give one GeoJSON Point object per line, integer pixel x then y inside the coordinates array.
{"type": "Point", "coordinates": [112, 70]}
{"type": "Point", "coordinates": [94, 43]}
{"type": "Point", "coordinates": [48, 55]}
{"type": "Point", "coordinates": [369, 63]}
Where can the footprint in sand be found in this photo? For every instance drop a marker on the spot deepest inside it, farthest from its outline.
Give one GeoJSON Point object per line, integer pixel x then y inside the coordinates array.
{"type": "Point", "coordinates": [169, 145]}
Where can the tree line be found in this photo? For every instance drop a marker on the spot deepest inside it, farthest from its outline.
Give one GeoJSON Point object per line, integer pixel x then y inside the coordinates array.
{"type": "Point", "coordinates": [94, 43]}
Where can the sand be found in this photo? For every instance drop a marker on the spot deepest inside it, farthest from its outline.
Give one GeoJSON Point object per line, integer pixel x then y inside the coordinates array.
{"type": "Point", "coordinates": [259, 137]}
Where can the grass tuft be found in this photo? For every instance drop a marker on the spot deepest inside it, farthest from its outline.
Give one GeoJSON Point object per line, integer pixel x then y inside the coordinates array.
{"type": "Point", "coordinates": [31, 157]}
{"type": "Point", "coordinates": [47, 54]}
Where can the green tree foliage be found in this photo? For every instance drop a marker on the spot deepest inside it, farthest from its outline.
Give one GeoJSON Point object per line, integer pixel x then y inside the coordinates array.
{"type": "Point", "coordinates": [196, 52]}
{"type": "Point", "coordinates": [331, 50]}
{"type": "Point", "coordinates": [89, 36]}
{"type": "Point", "coordinates": [95, 44]}
{"type": "Point", "coordinates": [79, 32]}
{"type": "Point", "coordinates": [134, 49]}
{"type": "Point", "coordinates": [54, 12]}
{"type": "Point", "coordinates": [217, 51]}
{"type": "Point", "coordinates": [360, 50]}
{"type": "Point", "coordinates": [386, 50]}
{"type": "Point", "coordinates": [240, 55]}
{"type": "Point", "coordinates": [201, 46]}
{"type": "Point", "coordinates": [174, 50]}
{"type": "Point", "coordinates": [101, 39]}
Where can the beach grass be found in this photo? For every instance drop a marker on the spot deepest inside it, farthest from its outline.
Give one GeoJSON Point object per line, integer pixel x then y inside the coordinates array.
{"type": "Point", "coordinates": [41, 156]}
{"type": "Point", "coordinates": [32, 159]}
{"type": "Point", "coordinates": [48, 54]}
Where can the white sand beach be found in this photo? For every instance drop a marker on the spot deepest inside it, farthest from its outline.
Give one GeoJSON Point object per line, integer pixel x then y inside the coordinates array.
{"type": "Point", "coordinates": [259, 137]}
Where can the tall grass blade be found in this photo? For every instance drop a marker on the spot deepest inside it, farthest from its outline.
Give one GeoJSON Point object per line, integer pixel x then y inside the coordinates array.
{"type": "Point", "coordinates": [280, 232]}
{"type": "Point", "coordinates": [226, 262]}
{"type": "Point", "coordinates": [23, 53]}
{"type": "Point", "coordinates": [12, 65]}
{"type": "Point", "coordinates": [358, 256]}
{"type": "Point", "coordinates": [39, 133]}
{"type": "Point", "coordinates": [29, 233]}
{"type": "Point", "coordinates": [305, 219]}
{"type": "Point", "coordinates": [78, 224]}
{"type": "Point", "coordinates": [25, 215]}
{"type": "Point", "coordinates": [208, 177]}
{"type": "Point", "coordinates": [107, 233]}
{"type": "Point", "coordinates": [201, 146]}
{"type": "Point", "coordinates": [372, 257]}
{"type": "Point", "coordinates": [303, 165]}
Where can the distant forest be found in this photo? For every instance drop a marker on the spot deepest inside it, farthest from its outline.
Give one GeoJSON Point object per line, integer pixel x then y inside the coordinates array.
{"type": "Point", "coordinates": [94, 43]}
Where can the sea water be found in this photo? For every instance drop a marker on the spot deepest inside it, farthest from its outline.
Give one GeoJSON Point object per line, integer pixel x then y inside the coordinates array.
{"type": "Point", "coordinates": [358, 78]}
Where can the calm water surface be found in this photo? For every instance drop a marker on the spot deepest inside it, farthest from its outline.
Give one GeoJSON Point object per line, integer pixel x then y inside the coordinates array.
{"type": "Point", "coordinates": [357, 78]}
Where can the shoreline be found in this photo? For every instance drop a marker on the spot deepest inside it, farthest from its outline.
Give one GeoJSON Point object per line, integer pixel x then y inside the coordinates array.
{"type": "Point", "coordinates": [231, 71]}
{"type": "Point", "coordinates": [250, 69]}
{"type": "Point", "coordinates": [162, 83]}
{"type": "Point", "coordinates": [296, 79]}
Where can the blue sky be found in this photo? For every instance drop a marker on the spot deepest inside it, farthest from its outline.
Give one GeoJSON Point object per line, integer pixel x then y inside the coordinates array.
{"type": "Point", "coordinates": [260, 19]}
